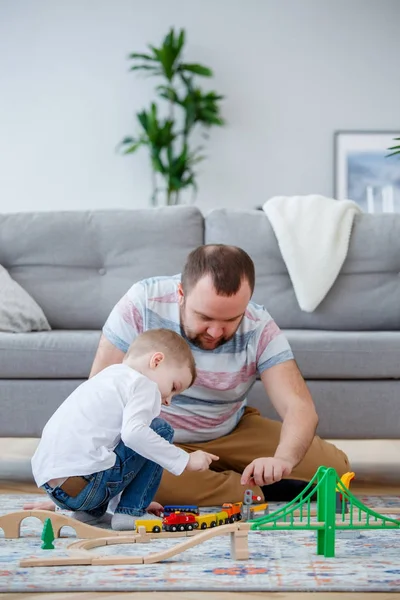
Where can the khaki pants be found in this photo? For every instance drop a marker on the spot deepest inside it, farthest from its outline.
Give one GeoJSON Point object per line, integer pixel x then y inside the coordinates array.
{"type": "Point", "coordinates": [254, 437]}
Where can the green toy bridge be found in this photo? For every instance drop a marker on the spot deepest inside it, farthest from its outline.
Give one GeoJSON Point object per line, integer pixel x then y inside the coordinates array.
{"type": "Point", "coordinates": [352, 515]}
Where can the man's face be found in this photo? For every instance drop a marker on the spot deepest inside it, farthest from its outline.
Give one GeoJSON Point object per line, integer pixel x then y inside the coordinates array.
{"type": "Point", "coordinates": [210, 320]}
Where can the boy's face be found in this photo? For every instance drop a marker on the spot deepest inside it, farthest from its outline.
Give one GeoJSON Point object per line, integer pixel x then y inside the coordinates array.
{"type": "Point", "coordinates": [171, 378]}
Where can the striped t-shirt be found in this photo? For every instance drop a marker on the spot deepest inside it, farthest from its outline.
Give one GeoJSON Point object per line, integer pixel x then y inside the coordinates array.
{"type": "Point", "coordinates": [214, 404]}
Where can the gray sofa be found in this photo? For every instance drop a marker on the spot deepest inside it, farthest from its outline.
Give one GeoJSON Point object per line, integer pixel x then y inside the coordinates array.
{"type": "Point", "coordinates": [77, 265]}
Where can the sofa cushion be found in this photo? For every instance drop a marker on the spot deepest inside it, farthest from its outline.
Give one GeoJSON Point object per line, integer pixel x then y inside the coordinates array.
{"type": "Point", "coordinates": [77, 265]}
{"type": "Point", "coordinates": [346, 409]}
{"type": "Point", "coordinates": [366, 293]}
{"type": "Point", "coordinates": [47, 355]}
{"type": "Point", "coordinates": [346, 354]}
{"type": "Point", "coordinates": [18, 310]}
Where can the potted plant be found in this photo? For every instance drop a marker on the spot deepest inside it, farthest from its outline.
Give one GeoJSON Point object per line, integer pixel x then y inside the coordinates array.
{"type": "Point", "coordinates": [169, 139]}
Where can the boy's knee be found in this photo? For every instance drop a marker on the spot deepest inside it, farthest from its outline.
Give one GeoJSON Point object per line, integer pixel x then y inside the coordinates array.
{"type": "Point", "coordinates": [163, 428]}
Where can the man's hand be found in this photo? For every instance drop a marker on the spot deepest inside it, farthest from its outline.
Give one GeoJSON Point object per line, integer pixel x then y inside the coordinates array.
{"type": "Point", "coordinates": [263, 471]}
{"type": "Point", "coordinates": [200, 461]}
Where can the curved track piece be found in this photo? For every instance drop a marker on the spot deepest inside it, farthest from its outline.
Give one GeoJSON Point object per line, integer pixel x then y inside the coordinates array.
{"type": "Point", "coordinates": [11, 524]}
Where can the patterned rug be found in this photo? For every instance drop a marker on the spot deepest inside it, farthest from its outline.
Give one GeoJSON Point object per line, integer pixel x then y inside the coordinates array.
{"type": "Point", "coordinates": [279, 561]}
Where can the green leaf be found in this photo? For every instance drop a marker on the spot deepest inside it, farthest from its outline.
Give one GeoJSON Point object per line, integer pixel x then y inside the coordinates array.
{"type": "Point", "coordinates": [156, 52]}
{"type": "Point", "coordinates": [196, 68]}
{"type": "Point", "coordinates": [168, 91]}
{"type": "Point", "coordinates": [143, 119]}
{"type": "Point", "coordinates": [127, 140]}
{"type": "Point", "coordinates": [189, 180]}
{"type": "Point", "coordinates": [170, 155]}
{"type": "Point", "coordinates": [181, 40]}
{"type": "Point", "coordinates": [175, 183]}
{"type": "Point", "coordinates": [208, 117]}
{"type": "Point", "coordinates": [143, 68]}
{"type": "Point", "coordinates": [135, 55]}
{"type": "Point", "coordinates": [170, 39]}
{"type": "Point", "coordinates": [213, 96]}
{"type": "Point", "coordinates": [157, 164]}
{"type": "Point", "coordinates": [153, 126]}
{"type": "Point", "coordinates": [133, 148]}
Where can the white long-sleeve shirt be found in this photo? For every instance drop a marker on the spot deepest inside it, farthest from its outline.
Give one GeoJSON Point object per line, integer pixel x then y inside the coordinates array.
{"type": "Point", "coordinates": [116, 404]}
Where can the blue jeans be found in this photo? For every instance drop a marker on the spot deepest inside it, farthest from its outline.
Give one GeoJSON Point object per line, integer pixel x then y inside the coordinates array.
{"type": "Point", "coordinates": [135, 476]}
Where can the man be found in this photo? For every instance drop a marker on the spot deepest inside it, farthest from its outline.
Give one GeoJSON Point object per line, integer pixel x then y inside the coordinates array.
{"type": "Point", "coordinates": [233, 340]}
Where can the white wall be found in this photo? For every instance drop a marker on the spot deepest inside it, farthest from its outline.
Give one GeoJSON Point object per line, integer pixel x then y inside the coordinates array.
{"type": "Point", "coordinates": [293, 72]}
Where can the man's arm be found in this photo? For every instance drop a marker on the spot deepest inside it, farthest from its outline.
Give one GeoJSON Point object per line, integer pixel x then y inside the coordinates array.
{"type": "Point", "coordinates": [292, 400]}
{"type": "Point", "coordinates": [107, 354]}
{"type": "Point", "coordinates": [289, 394]}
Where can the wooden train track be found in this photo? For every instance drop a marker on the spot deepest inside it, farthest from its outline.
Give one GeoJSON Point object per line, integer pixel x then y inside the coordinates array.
{"type": "Point", "coordinates": [82, 555]}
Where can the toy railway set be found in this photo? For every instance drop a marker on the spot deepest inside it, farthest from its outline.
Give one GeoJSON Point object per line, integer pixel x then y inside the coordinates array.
{"type": "Point", "coordinates": [336, 510]}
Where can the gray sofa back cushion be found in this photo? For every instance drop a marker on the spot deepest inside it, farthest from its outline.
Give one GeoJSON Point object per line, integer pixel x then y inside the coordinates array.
{"type": "Point", "coordinates": [366, 294]}
{"type": "Point", "coordinates": [77, 265]}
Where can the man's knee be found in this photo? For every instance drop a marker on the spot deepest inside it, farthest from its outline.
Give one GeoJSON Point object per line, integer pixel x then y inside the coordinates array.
{"type": "Point", "coordinates": [332, 456]}
{"type": "Point", "coordinates": [341, 462]}
{"type": "Point", "coordinates": [163, 428]}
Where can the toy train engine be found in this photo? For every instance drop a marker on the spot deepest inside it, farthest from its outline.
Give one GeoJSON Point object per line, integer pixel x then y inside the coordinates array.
{"type": "Point", "coordinates": [180, 522]}
{"type": "Point", "coordinates": [233, 511]}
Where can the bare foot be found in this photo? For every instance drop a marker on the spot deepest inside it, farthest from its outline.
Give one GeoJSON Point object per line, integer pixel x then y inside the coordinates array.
{"type": "Point", "coordinates": [41, 505]}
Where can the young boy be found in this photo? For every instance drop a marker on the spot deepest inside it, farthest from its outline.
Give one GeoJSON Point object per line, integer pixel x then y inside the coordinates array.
{"type": "Point", "coordinates": [106, 438]}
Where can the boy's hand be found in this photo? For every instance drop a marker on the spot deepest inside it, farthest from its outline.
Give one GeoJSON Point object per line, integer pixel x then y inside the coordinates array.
{"type": "Point", "coordinates": [200, 461]}
{"type": "Point", "coordinates": [154, 508]}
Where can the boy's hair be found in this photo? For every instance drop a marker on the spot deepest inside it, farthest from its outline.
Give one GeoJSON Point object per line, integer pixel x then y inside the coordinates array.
{"type": "Point", "coordinates": [166, 341]}
{"type": "Point", "coordinates": [226, 265]}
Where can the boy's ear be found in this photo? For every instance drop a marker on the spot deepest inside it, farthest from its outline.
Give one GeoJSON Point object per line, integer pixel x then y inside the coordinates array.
{"type": "Point", "coordinates": [156, 359]}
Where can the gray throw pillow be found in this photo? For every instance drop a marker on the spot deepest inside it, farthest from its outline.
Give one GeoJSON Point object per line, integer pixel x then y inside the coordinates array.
{"type": "Point", "coordinates": [19, 313]}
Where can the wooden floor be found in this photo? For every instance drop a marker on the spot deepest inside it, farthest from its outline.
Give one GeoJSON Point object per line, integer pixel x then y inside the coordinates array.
{"type": "Point", "coordinates": [379, 490]}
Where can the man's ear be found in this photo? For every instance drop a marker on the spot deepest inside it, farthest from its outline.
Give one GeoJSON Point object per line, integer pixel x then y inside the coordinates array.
{"type": "Point", "coordinates": [181, 295]}
{"type": "Point", "coordinates": [156, 359]}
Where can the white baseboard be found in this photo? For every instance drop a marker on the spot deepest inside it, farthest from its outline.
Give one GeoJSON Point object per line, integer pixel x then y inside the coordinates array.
{"type": "Point", "coordinates": [373, 461]}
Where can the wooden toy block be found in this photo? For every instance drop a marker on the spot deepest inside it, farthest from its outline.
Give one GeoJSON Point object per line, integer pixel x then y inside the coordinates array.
{"type": "Point", "coordinates": [94, 543]}
{"type": "Point", "coordinates": [117, 560]}
{"type": "Point", "coordinates": [142, 537]}
{"type": "Point", "coordinates": [129, 539]}
{"type": "Point", "coordinates": [56, 562]}
{"type": "Point", "coordinates": [239, 545]}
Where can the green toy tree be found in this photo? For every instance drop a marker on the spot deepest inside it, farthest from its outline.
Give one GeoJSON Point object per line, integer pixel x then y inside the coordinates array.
{"type": "Point", "coordinates": [48, 536]}
{"type": "Point", "coordinates": [188, 109]}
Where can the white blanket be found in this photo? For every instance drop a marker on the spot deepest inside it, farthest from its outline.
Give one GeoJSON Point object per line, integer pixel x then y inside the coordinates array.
{"type": "Point", "coordinates": [313, 234]}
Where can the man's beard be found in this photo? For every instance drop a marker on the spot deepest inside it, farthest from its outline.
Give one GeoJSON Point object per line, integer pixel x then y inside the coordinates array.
{"type": "Point", "coordinates": [197, 338]}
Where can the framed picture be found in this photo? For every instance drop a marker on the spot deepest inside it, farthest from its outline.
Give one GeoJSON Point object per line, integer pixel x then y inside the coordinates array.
{"type": "Point", "coordinates": [364, 172]}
